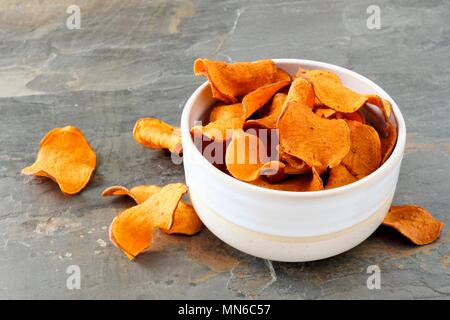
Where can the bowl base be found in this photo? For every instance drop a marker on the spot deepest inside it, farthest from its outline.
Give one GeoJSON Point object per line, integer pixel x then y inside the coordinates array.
{"type": "Point", "coordinates": [288, 249]}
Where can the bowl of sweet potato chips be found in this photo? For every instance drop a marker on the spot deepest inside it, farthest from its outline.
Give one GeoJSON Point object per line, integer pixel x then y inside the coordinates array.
{"type": "Point", "coordinates": [286, 159]}
{"type": "Point", "coordinates": [290, 160]}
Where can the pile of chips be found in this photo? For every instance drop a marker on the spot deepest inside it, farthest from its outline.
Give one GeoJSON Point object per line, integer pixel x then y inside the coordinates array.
{"type": "Point", "coordinates": [322, 134]}
{"type": "Point", "coordinates": [299, 133]}
{"type": "Point", "coordinates": [66, 157]}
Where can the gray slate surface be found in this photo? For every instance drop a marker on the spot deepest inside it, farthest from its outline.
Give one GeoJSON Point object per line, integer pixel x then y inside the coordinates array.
{"type": "Point", "coordinates": [133, 59]}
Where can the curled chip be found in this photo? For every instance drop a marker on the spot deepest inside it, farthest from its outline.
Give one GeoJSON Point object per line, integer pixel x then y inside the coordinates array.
{"type": "Point", "coordinates": [297, 183]}
{"type": "Point", "coordinates": [156, 134]}
{"type": "Point", "coordinates": [325, 112]}
{"type": "Point", "coordinates": [222, 121]}
{"type": "Point", "coordinates": [231, 81]}
{"type": "Point", "coordinates": [185, 220]}
{"type": "Point", "coordinates": [339, 176]}
{"type": "Point", "coordinates": [415, 223]}
{"type": "Point", "coordinates": [226, 112]}
{"type": "Point", "coordinates": [139, 193]}
{"type": "Point", "coordinates": [316, 183]}
{"type": "Point", "coordinates": [259, 97]}
{"type": "Point", "coordinates": [246, 157]}
{"type": "Point", "coordinates": [302, 91]}
{"type": "Point", "coordinates": [293, 165]}
{"type": "Point", "coordinates": [269, 121]}
{"type": "Point", "coordinates": [381, 103]}
{"type": "Point", "coordinates": [318, 142]}
{"type": "Point", "coordinates": [364, 156]}
{"type": "Point", "coordinates": [355, 116]}
{"type": "Point", "coordinates": [66, 157]}
{"type": "Point", "coordinates": [332, 93]}
{"type": "Point", "coordinates": [388, 141]}
{"type": "Point", "coordinates": [132, 230]}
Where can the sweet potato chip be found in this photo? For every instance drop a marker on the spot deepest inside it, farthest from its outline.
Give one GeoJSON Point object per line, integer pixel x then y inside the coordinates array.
{"type": "Point", "coordinates": [66, 157]}
{"type": "Point", "coordinates": [232, 81]}
{"type": "Point", "coordinates": [364, 156]}
{"type": "Point", "coordinates": [325, 112]}
{"type": "Point", "coordinates": [354, 116]}
{"type": "Point", "coordinates": [269, 121]}
{"type": "Point", "coordinates": [297, 183]}
{"type": "Point", "coordinates": [226, 112]}
{"type": "Point", "coordinates": [246, 157]}
{"type": "Point", "coordinates": [332, 93]}
{"type": "Point", "coordinates": [222, 121]}
{"type": "Point", "coordinates": [381, 103]}
{"type": "Point", "coordinates": [301, 90]}
{"type": "Point", "coordinates": [415, 223]}
{"type": "Point", "coordinates": [259, 97]}
{"type": "Point", "coordinates": [339, 176]}
{"type": "Point", "coordinates": [139, 193]}
{"type": "Point", "coordinates": [316, 181]}
{"type": "Point", "coordinates": [185, 220]}
{"type": "Point", "coordinates": [156, 134]}
{"type": "Point", "coordinates": [318, 142]}
{"type": "Point", "coordinates": [293, 165]}
{"type": "Point", "coordinates": [388, 141]}
{"type": "Point", "coordinates": [132, 230]}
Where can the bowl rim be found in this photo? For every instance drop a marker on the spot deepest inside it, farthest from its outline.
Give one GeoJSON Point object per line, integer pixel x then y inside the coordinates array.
{"type": "Point", "coordinates": [389, 165]}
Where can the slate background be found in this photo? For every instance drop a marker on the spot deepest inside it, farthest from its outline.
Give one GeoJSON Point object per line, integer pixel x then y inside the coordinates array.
{"type": "Point", "coordinates": [133, 59]}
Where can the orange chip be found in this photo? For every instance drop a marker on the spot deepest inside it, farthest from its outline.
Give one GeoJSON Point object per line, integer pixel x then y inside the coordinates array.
{"type": "Point", "coordinates": [269, 121]}
{"type": "Point", "coordinates": [139, 193]}
{"type": "Point", "coordinates": [388, 141]}
{"type": "Point", "coordinates": [297, 183]}
{"type": "Point", "coordinates": [229, 111]}
{"type": "Point", "coordinates": [293, 165]}
{"type": "Point", "coordinates": [302, 91]}
{"type": "Point", "coordinates": [355, 116]}
{"type": "Point", "coordinates": [66, 157]}
{"type": "Point", "coordinates": [246, 157]}
{"type": "Point", "coordinates": [223, 119]}
{"type": "Point", "coordinates": [339, 176]}
{"type": "Point", "coordinates": [332, 93]}
{"type": "Point", "coordinates": [156, 134]}
{"type": "Point", "coordinates": [132, 230]}
{"type": "Point", "coordinates": [415, 223]}
{"type": "Point", "coordinates": [231, 81]}
{"type": "Point", "coordinates": [316, 181]}
{"type": "Point", "coordinates": [325, 112]}
{"type": "Point", "coordinates": [318, 142]}
{"type": "Point", "coordinates": [259, 97]}
{"type": "Point", "coordinates": [364, 156]}
{"type": "Point", "coordinates": [185, 220]}
{"type": "Point", "coordinates": [381, 103]}
{"type": "Point", "coordinates": [387, 130]}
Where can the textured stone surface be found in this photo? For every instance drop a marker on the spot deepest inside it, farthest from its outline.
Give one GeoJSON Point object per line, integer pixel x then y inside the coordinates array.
{"type": "Point", "coordinates": [133, 59]}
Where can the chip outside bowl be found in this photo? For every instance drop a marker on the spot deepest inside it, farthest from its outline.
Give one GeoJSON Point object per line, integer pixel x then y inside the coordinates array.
{"type": "Point", "coordinates": [289, 226]}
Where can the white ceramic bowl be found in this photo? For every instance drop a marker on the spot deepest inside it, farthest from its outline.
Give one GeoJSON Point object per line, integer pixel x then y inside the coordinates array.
{"type": "Point", "coordinates": [289, 226]}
